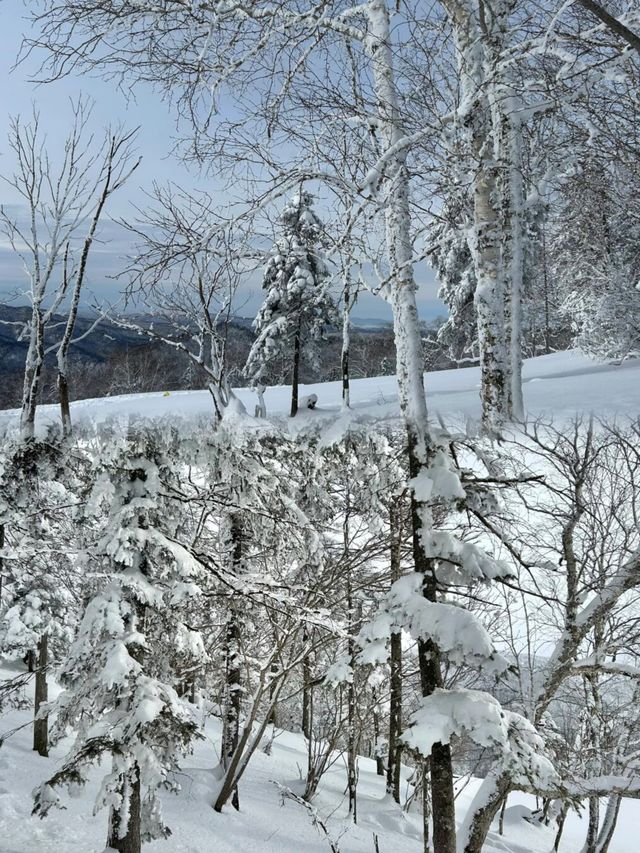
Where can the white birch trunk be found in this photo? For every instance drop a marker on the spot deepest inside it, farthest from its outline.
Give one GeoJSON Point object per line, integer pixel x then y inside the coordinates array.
{"type": "Point", "coordinates": [478, 111]}
{"type": "Point", "coordinates": [32, 372]}
{"type": "Point", "coordinates": [410, 374]}
{"type": "Point", "coordinates": [410, 360]}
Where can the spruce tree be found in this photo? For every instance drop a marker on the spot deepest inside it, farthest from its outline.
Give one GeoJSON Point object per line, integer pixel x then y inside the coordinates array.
{"type": "Point", "coordinates": [297, 305]}
{"type": "Point", "coordinates": [132, 645]}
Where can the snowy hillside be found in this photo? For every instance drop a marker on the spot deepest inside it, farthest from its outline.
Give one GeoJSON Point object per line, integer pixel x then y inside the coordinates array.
{"type": "Point", "coordinates": [561, 384]}
{"type": "Point", "coordinates": [266, 823]}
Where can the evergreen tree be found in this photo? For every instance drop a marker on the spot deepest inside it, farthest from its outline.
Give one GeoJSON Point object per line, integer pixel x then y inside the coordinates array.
{"type": "Point", "coordinates": [596, 258]}
{"type": "Point", "coordinates": [297, 305]}
{"type": "Point", "coordinates": [38, 608]}
{"type": "Point", "coordinates": [132, 644]}
{"type": "Point", "coordinates": [451, 257]}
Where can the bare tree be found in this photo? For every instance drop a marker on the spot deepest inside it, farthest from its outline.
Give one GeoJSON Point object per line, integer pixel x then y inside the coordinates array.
{"type": "Point", "coordinates": [62, 202]}
{"type": "Point", "coordinates": [187, 268]}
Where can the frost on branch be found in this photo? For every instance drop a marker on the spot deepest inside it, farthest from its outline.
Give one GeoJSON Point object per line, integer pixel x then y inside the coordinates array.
{"type": "Point", "coordinates": [457, 633]}
{"type": "Point", "coordinates": [446, 714]}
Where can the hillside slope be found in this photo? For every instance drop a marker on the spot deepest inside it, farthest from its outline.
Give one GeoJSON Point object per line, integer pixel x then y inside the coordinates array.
{"type": "Point", "coordinates": [558, 385]}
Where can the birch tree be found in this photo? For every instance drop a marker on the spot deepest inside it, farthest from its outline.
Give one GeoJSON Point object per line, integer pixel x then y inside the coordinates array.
{"type": "Point", "coordinates": [63, 206]}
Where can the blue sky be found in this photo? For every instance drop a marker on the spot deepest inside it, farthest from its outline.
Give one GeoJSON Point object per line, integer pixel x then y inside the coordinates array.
{"type": "Point", "coordinates": [157, 131]}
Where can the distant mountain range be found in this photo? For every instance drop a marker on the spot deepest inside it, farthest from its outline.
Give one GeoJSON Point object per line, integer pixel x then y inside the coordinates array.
{"type": "Point", "coordinates": [105, 339]}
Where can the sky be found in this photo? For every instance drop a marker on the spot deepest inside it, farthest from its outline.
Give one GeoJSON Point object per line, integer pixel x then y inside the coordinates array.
{"type": "Point", "coordinates": [156, 136]}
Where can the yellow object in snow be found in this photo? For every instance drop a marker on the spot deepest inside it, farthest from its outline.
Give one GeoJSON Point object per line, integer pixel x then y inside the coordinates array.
{"type": "Point", "coordinates": [166, 394]}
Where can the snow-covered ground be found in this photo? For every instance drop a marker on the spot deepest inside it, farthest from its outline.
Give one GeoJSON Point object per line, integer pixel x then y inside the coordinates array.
{"type": "Point", "coordinates": [265, 824]}
{"type": "Point", "coordinates": [560, 384]}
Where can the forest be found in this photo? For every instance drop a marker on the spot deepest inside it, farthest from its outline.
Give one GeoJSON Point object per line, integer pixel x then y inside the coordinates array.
{"type": "Point", "coordinates": [428, 596]}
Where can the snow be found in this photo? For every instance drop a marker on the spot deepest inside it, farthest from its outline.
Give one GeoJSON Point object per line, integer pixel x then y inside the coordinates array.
{"type": "Point", "coordinates": [265, 823]}
{"type": "Point", "coordinates": [456, 631]}
{"type": "Point", "coordinates": [561, 384]}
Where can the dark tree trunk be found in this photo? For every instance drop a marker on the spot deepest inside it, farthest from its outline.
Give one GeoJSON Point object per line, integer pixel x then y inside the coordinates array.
{"type": "Point", "coordinates": [65, 407]}
{"type": "Point", "coordinates": [233, 698]}
{"type": "Point", "coordinates": [306, 688]}
{"type": "Point", "coordinates": [441, 767]}
{"type": "Point", "coordinates": [503, 809]}
{"type": "Point", "coordinates": [295, 373]}
{"type": "Point", "coordinates": [274, 718]}
{"type": "Point", "coordinates": [394, 758]}
{"type": "Point", "coordinates": [345, 377]}
{"type": "Point", "coordinates": [41, 726]}
{"type": "Point", "coordinates": [426, 810]}
{"type": "Point", "coordinates": [346, 340]}
{"type": "Point", "coordinates": [352, 777]}
{"type": "Point", "coordinates": [593, 825]}
{"type": "Point", "coordinates": [32, 375]}
{"type": "Point", "coordinates": [547, 321]}
{"type": "Point", "coordinates": [1, 561]}
{"type": "Point", "coordinates": [130, 840]}
{"type": "Point", "coordinates": [561, 819]}
{"type": "Point", "coordinates": [376, 737]}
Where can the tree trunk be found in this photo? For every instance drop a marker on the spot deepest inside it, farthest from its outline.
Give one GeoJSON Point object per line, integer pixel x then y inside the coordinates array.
{"type": "Point", "coordinates": [476, 58]}
{"type": "Point", "coordinates": [561, 820]}
{"type": "Point", "coordinates": [609, 823]}
{"type": "Point", "coordinates": [346, 340]}
{"type": "Point", "coordinates": [41, 726]}
{"type": "Point", "coordinates": [426, 809]}
{"type": "Point", "coordinates": [32, 374]}
{"type": "Point", "coordinates": [1, 562]}
{"type": "Point", "coordinates": [295, 373]}
{"type": "Point", "coordinates": [503, 809]}
{"type": "Point", "coordinates": [245, 749]}
{"type": "Point", "coordinates": [65, 408]}
{"type": "Point", "coordinates": [376, 736]}
{"type": "Point", "coordinates": [593, 826]}
{"type": "Point", "coordinates": [352, 773]}
{"type": "Point", "coordinates": [306, 689]}
{"type": "Point", "coordinates": [233, 687]}
{"type": "Point", "coordinates": [482, 810]}
{"type": "Point", "coordinates": [127, 839]}
{"type": "Point", "coordinates": [409, 361]}
{"type": "Point", "coordinates": [352, 776]}
{"type": "Point", "coordinates": [440, 763]}
{"type": "Point", "coordinates": [516, 192]}
{"type": "Point", "coordinates": [545, 274]}
{"type": "Point", "coordinates": [394, 758]}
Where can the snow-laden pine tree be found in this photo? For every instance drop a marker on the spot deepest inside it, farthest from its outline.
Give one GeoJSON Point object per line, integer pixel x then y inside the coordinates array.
{"type": "Point", "coordinates": [132, 645]}
{"type": "Point", "coordinates": [451, 256]}
{"type": "Point", "coordinates": [39, 580]}
{"type": "Point", "coordinates": [453, 486]}
{"type": "Point", "coordinates": [595, 250]}
{"type": "Point", "coordinates": [297, 304]}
